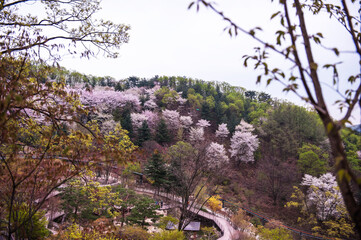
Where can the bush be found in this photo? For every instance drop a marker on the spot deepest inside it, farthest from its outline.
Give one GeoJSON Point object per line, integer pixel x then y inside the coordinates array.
{"type": "Point", "coordinates": [134, 233]}
{"type": "Point", "coordinates": [168, 235]}
{"type": "Point", "coordinates": [35, 228]}
{"type": "Point", "coordinates": [274, 234]}
{"type": "Point", "coordinates": [164, 221]}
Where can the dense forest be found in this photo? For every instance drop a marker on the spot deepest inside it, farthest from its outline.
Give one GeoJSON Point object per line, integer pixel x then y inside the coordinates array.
{"type": "Point", "coordinates": [216, 146]}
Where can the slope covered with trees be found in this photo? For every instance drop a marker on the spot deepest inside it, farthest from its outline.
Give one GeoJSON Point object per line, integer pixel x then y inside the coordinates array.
{"type": "Point", "coordinates": [246, 146]}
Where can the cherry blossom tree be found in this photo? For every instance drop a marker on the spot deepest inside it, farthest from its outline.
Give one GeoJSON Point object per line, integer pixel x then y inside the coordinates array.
{"type": "Point", "coordinates": [150, 117]}
{"type": "Point", "coordinates": [150, 104]}
{"type": "Point", "coordinates": [181, 100]}
{"type": "Point", "coordinates": [222, 131]}
{"type": "Point", "coordinates": [107, 101]}
{"type": "Point", "coordinates": [196, 134]}
{"type": "Point", "coordinates": [203, 123]}
{"type": "Point", "coordinates": [216, 155]}
{"type": "Point", "coordinates": [324, 194]}
{"type": "Point", "coordinates": [243, 143]}
{"type": "Point", "coordinates": [137, 119]}
{"type": "Point", "coordinates": [172, 119]}
{"type": "Point", "coordinates": [186, 121]}
{"type": "Point", "coordinates": [244, 127]}
{"type": "Point", "coordinates": [135, 91]}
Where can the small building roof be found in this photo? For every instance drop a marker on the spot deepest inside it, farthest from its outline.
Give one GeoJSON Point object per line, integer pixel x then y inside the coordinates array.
{"type": "Point", "coordinates": [193, 226]}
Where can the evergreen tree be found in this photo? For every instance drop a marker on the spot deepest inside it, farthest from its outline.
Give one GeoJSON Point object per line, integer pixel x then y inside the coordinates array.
{"type": "Point", "coordinates": [162, 134]}
{"type": "Point", "coordinates": [126, 122]}
{"type": "Point", "coordinates": [144, 207]}
{"type": "Point", "coordinates": [143, 133]}
{"type": "Point", "coordinates": [206, 111]}
{"type": "Point", "coordinates": [156, 170]}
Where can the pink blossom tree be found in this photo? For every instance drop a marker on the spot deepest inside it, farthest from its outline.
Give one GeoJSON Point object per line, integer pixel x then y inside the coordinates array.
{"type": "Point", "coordinates": [137, 119]}
{"type": "Point", "coordinates": [222, 131]}
{"type": "Point", "coordinates": [203, 123]}
{"type": "Point", "coordinates": [150, 104]}
{"type": "Point", "coordinates": [171, 117]}
{"type": "Point", "coordinates": [186, 121]}
{"type": "Point", "coordinates": [216, 155]}
{"type": "Point", "coordinates": [181, 100]}
{"type": "Point", "coordinates": [244, 127]}
{"type": "Point", "coordinates": [243, 143]}
{"type": "Point", "coordinates": [150, 117]}
{"type": "Point", "coordinates": [107, 101]}
{"type": "Point", "coordinates": [196, 134]}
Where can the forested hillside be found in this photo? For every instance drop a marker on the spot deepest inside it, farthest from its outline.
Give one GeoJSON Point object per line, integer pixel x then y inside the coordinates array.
{"type": "Point", "coordinates": [198, 139]}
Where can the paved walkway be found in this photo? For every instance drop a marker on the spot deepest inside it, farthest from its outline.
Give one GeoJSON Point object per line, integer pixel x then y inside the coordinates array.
{"type": "Point", "coordinates": [222, 221]}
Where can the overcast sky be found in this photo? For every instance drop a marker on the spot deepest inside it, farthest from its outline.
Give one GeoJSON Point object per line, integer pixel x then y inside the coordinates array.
{"type": "Point", "coordinates": [168, 39]}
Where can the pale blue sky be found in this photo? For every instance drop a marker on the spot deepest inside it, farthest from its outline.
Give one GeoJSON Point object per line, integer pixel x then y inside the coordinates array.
{"type": "Point", "coordinates": [167, 39]}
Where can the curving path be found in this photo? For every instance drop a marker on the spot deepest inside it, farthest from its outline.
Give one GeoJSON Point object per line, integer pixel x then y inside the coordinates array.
{"type": "Point", "coordinates": [222, 222]}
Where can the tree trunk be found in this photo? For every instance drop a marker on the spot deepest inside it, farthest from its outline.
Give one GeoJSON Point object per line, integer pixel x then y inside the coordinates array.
{"type": "Point", "coordinates": [345, 177]}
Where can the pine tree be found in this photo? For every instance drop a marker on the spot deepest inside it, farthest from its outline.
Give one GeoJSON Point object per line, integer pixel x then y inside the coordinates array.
{"type": "Point", "coordinates": [162, 134]}
{"type": "Point", "coordinates": [124, 119]}
{"type": "Point", "coordinates": [156, 170]}
{"type": "Point", "coordinates": [205, 111]}
{"type": "Point", "coordinates": [143, 133]}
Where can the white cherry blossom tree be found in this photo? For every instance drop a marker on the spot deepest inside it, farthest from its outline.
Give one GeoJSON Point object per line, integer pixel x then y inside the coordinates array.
{"type": "Point", "coordinates": [196, 134]}
{"type": "Point", "coordinates": [171, 117]}
{"type": "Point", "coordinates": [216, 155]}
{"type": "Point", "coordinates": [186, 121]}
{"type": "Point", "coordinates": [325, 195]}
{"type": "Point", "coordinates": [203, 123]}
{"type": "Point", "coordinates": [243, 143]}
{"type": "Point", "coordinates": [222, 131]}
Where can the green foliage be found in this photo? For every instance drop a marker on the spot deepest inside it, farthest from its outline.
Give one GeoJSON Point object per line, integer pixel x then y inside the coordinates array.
{"type": "Point", "coordinates": [125, 119]}
{"type": "Point", "coordinates": [310, 163]}
{"type": "Point", "coordinates": [289, 126]}
{"type": "Point", "coordinates": [195, 100]}
{"type": "Point", "coordinates": [128, 200]}
{"type": "Point", "coordinates": [143, 133]}
{"type": "Point", "coordinates": [34, 227]}
{"type": "Point", "coordinates": [163, 222]}
{"type": "Point", "coordinates": [156, 170]}
{"type": "Point", "coordinates": [352, 143]}
{"type": "Point", "coordinates": [166, 97]}
{"type": "Point", "coordinates": [168, 235]}
{"type": "Point", "coordinates": [274, 234]}
{"type": "Point", "coordinates": [162, 134]}
{"type": "Point", "coordinates": [208, 233]}
{"type": "Point", "coordinates": [312, 160]}
{"type": "Point", "coordinates": [144, 207]}
{"type": "Point", "coordinates": [131, 167]}
{"type": "Point", "coordinates": [76, 232]}
{"type": "Point", "coordinates": [74, 199]}
{"type": "Point", "coordinates": [134, 233]}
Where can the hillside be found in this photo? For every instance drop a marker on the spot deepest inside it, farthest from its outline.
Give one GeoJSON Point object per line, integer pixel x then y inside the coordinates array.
{"type": "Point", "coordinates": [261, 147]}
{"type": "Point", "coordinates": [96, 158]}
